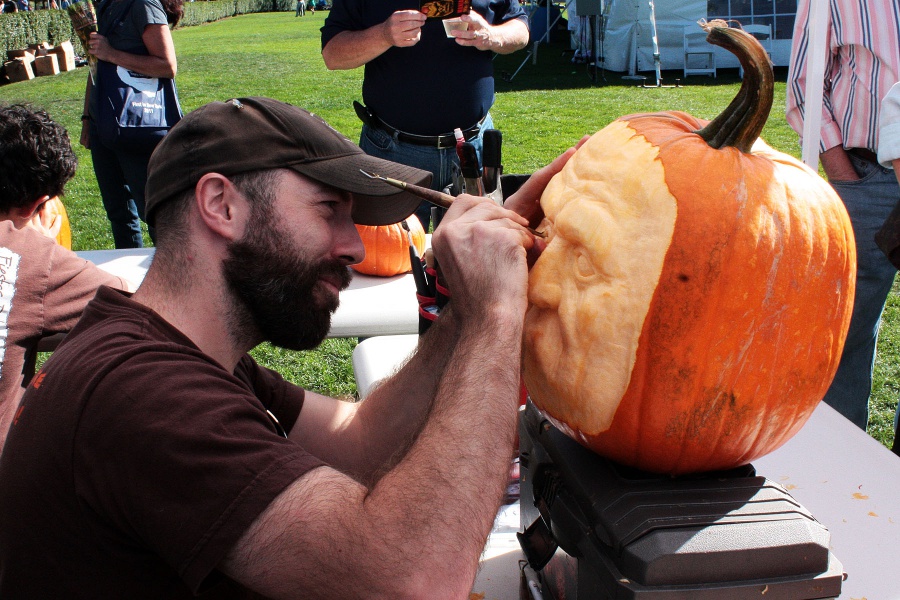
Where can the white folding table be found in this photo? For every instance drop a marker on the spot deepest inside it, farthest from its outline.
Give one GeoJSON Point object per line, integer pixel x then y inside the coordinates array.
{"type": "Point", "coordinates": [370, 306]}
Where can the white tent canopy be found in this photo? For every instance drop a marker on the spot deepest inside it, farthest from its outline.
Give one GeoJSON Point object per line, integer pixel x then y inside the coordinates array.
{"type": "Point", "coordinates": [628, 44]}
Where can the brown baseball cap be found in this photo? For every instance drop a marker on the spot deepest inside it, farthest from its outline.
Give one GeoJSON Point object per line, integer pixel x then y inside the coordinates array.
{"type": "Point", "coordinates": [255, 134]}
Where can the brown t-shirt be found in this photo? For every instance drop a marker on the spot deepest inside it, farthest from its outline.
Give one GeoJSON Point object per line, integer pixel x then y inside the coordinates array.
{"type": "Point", "coordinates": [136, 462]}
{"type": "Point", "coordinates": [43, 289]}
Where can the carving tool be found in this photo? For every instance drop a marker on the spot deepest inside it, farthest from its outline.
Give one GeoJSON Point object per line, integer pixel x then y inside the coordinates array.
{"type": "Point", "coordinates": [435, 197]}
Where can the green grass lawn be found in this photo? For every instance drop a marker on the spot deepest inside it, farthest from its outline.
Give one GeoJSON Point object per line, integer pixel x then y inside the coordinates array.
{"type": "Point", "coordinates": [545, 108]}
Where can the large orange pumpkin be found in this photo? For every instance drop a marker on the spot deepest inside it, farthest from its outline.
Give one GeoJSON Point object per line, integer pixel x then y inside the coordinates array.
{"type": "Point", "coordinates": [387, 247]}
{"type": "Point", "coordinates": [691, 306]}
{"type": "Point", "coordinates": [49, 210]}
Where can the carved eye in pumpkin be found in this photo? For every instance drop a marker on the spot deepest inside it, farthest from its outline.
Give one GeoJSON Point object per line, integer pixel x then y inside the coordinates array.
{"type": "Point", "coordinates": [589, 232]}
{"type": "Point", "coordinates": [584, 266]}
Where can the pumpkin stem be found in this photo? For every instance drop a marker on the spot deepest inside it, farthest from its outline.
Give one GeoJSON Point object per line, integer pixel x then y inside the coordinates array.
{"type": "Point", "coordinates": [740, 124]}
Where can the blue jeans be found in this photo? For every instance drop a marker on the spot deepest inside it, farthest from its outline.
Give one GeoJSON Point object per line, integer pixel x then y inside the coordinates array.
{"type": "Point", "coordinates": [442, 162]}
{"type": "Point", "coordinates": [122, 177]}
{"type": "Point", "coordinates": [869, 201]}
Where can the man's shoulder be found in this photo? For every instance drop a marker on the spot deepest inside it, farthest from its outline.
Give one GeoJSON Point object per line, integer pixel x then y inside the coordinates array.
{"type": "Point", "coordinates": [26, 237]}
{"type": "Point", "coordinates": [28, 252]}
{"type": "Point", "coordinates": [118, 334]}
{"type": "Point", "coordinates": [121, 350]}
{"type": "Point", "coordinates": [111, 324]}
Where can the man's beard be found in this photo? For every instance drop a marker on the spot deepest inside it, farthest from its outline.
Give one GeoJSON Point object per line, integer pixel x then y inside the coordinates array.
{"type": "Point", "coordinates": [274, 283]}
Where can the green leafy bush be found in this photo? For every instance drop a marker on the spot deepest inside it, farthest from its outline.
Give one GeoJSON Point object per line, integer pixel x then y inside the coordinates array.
{"type": "Point", "coordinates": [18, 30]}
{"type": "Point", "coordinates": [197, 13]}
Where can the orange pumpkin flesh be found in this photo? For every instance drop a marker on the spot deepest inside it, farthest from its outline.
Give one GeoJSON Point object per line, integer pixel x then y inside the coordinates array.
{"type": "Point", "coordinates": [691, 306]}
{"type": "Point", "coordinates": [387, 247]}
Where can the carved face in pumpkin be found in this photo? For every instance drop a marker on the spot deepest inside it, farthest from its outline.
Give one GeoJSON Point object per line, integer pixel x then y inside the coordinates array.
{"type": "Point", "coordinates": [609, 230]}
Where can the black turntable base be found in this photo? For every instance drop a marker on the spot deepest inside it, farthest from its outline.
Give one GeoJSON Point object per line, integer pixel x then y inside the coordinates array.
{"type": "Point", "coordinates": [593, 529]}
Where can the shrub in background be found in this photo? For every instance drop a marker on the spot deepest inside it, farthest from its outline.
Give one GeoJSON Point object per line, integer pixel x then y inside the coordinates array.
{"type": "Point", "coordinates": [18, 30]}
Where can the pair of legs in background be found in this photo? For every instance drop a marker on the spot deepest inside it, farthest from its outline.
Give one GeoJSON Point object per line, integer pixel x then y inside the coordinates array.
{"type": "Point", "coordinates": [122, 177]}
{"type": "Point", "coordinates": [869, 201]}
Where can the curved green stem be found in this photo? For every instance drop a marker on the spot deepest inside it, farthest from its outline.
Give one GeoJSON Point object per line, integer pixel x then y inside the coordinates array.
{"type": "Point", "coordinates": [742, 121]}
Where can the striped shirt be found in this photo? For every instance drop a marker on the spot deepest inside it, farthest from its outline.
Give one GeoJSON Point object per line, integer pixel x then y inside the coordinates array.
{"type": "Point", "coordinates": [863, 62]}
{"type": "Point", "coordinates": [889, 128]}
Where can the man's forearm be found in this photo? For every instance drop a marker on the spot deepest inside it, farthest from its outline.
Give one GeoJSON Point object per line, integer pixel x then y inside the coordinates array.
{"type": "Point", "coordinates": [386, 422]}
{"type": "Point", "coordinates": [352, 49]}
{"type": "Point", "coordinates": [463, 452]}
{"type": "Point", "coordinates": [837, 166]}
{"type": "Point", "coordinates": [510, 36]}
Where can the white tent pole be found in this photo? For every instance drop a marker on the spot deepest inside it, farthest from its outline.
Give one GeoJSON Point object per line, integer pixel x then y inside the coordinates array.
{"type": "Point", "coordinates": [547, 30]}
{"type": "Point", "coordinates": [632, 58]}
{"type": "Point", "coordinates": [819, 18]}
{"type": "Point", "coordinates": [655, 40]}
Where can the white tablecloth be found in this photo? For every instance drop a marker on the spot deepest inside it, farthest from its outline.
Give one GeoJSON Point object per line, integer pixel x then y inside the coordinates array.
{"type": "Point", "coordinates": [370, 306]}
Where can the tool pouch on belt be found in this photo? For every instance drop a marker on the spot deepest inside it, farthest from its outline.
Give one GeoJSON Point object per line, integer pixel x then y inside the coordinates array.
{"type": "Point", "coordinates": [365, 115]}
{"type": "Point", "coordinates": [438, 296]}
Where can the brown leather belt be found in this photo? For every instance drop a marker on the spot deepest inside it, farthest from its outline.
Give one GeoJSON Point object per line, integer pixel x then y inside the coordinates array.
{"type": "Point", "coordinates": [864, 154]}
{"type": "Point", "coordinates": [444, 140]}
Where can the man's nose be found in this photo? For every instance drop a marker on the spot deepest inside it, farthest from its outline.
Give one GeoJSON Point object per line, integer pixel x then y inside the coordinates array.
{"type": "Point", "coordinates": [349, 245]}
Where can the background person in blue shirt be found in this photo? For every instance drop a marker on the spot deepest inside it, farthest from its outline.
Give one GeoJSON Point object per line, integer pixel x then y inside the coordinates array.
{"type": "Point", "coordinates": [419, 83]}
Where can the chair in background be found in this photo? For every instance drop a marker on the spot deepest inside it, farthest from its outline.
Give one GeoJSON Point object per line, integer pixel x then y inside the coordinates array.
{"type": "Point", "coordinates": [697, 51]}
{"type": "Point", "coordinates": [763, 33]}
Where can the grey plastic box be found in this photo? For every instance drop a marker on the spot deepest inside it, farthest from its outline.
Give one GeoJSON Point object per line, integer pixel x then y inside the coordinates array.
{"type": "Point", "coordinates": [596, 530]}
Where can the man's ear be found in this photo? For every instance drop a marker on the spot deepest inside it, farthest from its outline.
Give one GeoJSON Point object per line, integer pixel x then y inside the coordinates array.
{"type": "Point", "coordinates": [222, 208]}
{"type": "Point", "coordinates": [21, 216]}
{"type": "Point", "coordinates": [30, 209]}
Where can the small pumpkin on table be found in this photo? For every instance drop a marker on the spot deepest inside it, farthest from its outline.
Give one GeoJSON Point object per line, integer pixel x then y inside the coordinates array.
{"type": "Point", "coordinates": [387, 247]}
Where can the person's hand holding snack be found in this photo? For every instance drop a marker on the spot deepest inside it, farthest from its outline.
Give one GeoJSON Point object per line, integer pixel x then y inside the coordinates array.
{"type": "Point", "coordinates": [478, 33]}
{"type": "Point", "coordinates": [404, 28]}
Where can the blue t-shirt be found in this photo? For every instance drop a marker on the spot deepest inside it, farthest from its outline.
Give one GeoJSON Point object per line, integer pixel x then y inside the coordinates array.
{"type": "Point", "coordinates": [434, 86]}
{"type": "Point", "coordinates": [123, 22]}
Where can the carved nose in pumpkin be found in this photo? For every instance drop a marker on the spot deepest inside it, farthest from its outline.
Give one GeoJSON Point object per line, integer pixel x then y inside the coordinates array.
{"type": "Point", "coordinates": [546, 294]}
